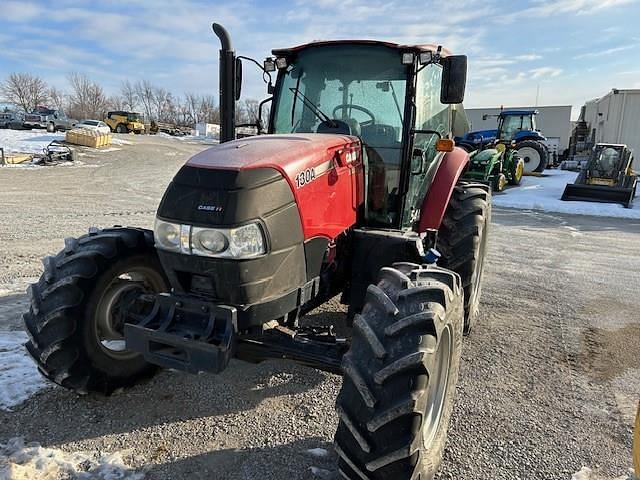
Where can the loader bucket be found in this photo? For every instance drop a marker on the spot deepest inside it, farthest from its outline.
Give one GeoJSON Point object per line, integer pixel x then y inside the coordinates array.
{"type": "Point", "coordinates": [598, 193]}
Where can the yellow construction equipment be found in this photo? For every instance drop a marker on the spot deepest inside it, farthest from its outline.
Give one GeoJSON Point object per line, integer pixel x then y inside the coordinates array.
{"type": "Point", "coordinates": [124, 122]}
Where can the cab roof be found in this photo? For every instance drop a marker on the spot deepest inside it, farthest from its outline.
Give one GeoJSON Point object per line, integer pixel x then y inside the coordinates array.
{"type": "Point", "coordinates": [284, 52]}
{"type": "Point", "coordinates": [505, 113]}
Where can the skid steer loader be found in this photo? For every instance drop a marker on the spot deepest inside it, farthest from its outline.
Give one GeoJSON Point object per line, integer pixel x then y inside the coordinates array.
{"type": "Point", "coordinates": [608, 177]}
{"type": "Point", "coordinates": [354, 186]}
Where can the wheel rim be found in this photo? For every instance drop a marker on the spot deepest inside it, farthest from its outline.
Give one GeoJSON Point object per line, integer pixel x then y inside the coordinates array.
{"type": "Point", "coordinates": [477, 279]}
{"type": "Point", "coordinates": [531, 158]}
{"type": "Point", "coordinates": [519, 171]}
{"type": "Point", "coordinates": [121, 291]}
{"type": "Point", "coordinates": [438, 387]}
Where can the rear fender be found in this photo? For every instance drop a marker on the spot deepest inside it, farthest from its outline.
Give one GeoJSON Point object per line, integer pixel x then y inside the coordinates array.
{"type": "Point", "coordinates": [437, 198]}
{"type": "Point", "coordinates": [529, 135]}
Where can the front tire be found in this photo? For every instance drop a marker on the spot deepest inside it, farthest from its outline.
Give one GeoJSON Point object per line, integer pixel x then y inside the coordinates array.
{"type": "Point", "coordinates": [400, 375]}
{"type": "Point", "coordinates": [75, 321]}
{"type": "Point", "coordinates": [462, 241]}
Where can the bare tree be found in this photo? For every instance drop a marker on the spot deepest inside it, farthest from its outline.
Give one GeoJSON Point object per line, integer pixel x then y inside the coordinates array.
{"type": "Point", "coordinates": [116, 102]}
{"type": "Point", "coordinates": [129, 96]}
{"type": "Point", "coordinates": [251, 110]}
{"type": "Point", "coordinates": [144, 91]}
{"type": "Point", "coordinates": [209, 112]}
{"type": "Point", "coordinates": [57, 99]}
{"type": "Point", "coordinates": [24, 90]}
{"type": "Point", "coordinates": [192, 105]}
{"type": "Point", "coordinates": [164, 109]}
{"type": "Point", "coordinates": [87, 99]}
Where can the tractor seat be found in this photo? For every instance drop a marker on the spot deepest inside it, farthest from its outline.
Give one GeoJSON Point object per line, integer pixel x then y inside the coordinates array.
{"type": "Point", "coordinates": [340, 127]}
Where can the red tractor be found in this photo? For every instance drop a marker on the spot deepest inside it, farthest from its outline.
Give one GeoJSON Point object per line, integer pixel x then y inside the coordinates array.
{"type": "Point", "coordinates": [350, 192]}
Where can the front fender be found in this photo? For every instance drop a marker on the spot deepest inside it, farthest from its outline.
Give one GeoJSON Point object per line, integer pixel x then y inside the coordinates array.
{"type": "Point", "coordinates": [437, 198]}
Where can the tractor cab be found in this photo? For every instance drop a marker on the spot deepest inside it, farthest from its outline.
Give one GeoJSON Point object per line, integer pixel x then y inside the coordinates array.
{"type": "Point", "coordinates": [392, 97]}
{"type": "Point", "coordinates": [514, 125]}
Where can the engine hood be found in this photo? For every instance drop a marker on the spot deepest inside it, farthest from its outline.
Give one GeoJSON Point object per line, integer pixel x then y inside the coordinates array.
{"type": "Point", "coordinates": [289, 154]}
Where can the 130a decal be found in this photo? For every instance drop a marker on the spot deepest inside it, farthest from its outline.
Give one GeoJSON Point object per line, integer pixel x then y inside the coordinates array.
{"type": "Point", "coordinates": [305, 177]}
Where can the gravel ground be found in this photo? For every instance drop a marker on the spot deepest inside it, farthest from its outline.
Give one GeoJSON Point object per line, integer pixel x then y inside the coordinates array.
{"type": "Point", "coordinates": [549, 380]}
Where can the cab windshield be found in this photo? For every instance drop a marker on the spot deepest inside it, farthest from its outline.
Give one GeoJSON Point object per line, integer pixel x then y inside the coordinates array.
{"type": "Point", "coordinates": [364, 87]}
{"type": "Point", "coordinates": [512, 124]}
{"type": "Point", "coordinates": [133, 117]}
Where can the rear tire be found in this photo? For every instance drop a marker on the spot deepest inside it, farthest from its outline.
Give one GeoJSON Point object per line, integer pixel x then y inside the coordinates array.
{"type": "Point", "coordinates": [400, 375]}
{"type": "Point", "coordinates": [462, 241]}
{"type": "Point", "coordinates": [533, 163]}
{"type": "Point", "coordinates": [51, 128]}
{"type": "Point", "coordinates": [74, 324]}
{"type": "Point", "coordinates": [121, 128]}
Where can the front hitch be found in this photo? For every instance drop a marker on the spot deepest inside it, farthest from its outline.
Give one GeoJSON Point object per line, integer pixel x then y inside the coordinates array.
{"type": "Point", "coordinates": [181, 332]}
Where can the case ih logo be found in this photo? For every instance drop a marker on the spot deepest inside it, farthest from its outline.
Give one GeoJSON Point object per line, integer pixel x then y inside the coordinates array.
{"type": "Point", "coordinates": [210, 208]}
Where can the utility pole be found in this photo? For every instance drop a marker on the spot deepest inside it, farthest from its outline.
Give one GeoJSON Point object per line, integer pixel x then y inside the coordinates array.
{"type": "Point", "coordinates": [537, 94]}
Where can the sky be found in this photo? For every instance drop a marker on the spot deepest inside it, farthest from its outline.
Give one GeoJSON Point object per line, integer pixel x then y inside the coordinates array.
{"type": "Point", "coordinates": [562, 52]}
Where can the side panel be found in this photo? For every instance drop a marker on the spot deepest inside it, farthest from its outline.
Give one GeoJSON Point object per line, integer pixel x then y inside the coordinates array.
{"type": "Point", "coordinates": [325, 196]}
{"type": "Point", "coordinates": [437, 198]}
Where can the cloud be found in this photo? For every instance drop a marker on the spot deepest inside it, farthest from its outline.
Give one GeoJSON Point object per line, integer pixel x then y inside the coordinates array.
{"type": "Point", "coordinates": [548, 8]}
{"type": "Point", "coordinates": [545, 72]}
{"type": "Point", "coordinates": [529, 57]}
{"type": "Point", "coordinates": [609, 51]}
{"type": "Point", "coordinates": [19, 11]}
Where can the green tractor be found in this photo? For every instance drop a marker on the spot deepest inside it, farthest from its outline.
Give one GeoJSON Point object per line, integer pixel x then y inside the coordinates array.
{"type": "Point", "coordinates": [497, 166]}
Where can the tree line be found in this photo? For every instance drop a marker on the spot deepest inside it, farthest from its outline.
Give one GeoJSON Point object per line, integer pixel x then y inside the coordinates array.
{"type": "Point", "coordinates": [86, 99]}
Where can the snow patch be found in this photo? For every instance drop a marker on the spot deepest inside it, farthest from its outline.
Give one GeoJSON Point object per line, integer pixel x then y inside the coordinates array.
{"type": "Point", "coordinates": [19, 376]}
{"type": "Point", "coordinates": [20, 461]}
{"type": "Point", "coordinates": [118, 141]}
{"type": "Point", "coordinates": [543, 193]}
{"type": "Point", "coordinates": [586, 473]}
{"type": "Point", "coordinates": [26, 141]}
{"type": "Point", "coordinates": [318, 452]}
{"type": "Point", "coordinates": [322, 473]}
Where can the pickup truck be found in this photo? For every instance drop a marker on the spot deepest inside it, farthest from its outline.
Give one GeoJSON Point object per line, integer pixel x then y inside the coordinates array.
{"type": "Point", "coordinates": [52, 120]}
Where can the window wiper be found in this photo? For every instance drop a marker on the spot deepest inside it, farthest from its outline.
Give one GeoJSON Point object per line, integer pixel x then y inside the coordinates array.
{"type": "Point", "coordinates": [320, 115]}
{"type": "Point", "coordinates": [295, 98]}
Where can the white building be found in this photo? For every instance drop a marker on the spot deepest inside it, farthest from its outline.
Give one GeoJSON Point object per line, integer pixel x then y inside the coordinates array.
{"type": "Point", "coordinates": [211, 130]}
{"type": "Point", "coordinates": [615, 118]}
{"type": "Point", "coordinates": [553, 121]}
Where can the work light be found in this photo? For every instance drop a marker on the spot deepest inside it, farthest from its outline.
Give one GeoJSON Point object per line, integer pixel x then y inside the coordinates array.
{"type": "Point", "coordinates": [407, 58]}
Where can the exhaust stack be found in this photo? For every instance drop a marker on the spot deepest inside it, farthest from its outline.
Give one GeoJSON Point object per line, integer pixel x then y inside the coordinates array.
{"type": "Point", "coordinates": [227, 78]}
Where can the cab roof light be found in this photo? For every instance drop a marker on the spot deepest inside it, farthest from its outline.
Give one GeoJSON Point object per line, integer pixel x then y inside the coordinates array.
{"type": "Point", "coordinates": [426, 57]}
{"type": "Point", "coordinates": [408, 58]}
{"type": "Point", "coordinates": [269, 65]}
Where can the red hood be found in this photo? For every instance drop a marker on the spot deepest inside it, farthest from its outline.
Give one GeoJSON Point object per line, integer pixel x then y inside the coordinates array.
{"type": "Point", "coordinates": [324, 172]}
{"type": "Point", "coordinates": [275, 151]}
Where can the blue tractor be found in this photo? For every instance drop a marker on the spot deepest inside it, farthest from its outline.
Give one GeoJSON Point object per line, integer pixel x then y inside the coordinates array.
{"type": "Point", "coordinates": [516, 128]}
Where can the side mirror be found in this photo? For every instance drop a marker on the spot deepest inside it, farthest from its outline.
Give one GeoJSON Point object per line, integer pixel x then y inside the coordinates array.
{"type": "Point", "coordinates": [417, 161]}
{"type": "Point", "coordinates": [238, 78]}
{"type": "Point", "coordinates": [454, 79]}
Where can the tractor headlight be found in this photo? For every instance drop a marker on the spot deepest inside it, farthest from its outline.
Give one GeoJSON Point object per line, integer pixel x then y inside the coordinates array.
{"type": "Point", "coordinates": [208, 241]}
{"type": "Point", "coordinates": [167, 235]}
{"type": "Point", "coordinates": [247, 241]}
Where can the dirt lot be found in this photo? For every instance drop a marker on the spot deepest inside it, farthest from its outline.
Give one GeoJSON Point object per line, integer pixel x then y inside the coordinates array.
{"type": "Point", "coordinates": [549, 382]}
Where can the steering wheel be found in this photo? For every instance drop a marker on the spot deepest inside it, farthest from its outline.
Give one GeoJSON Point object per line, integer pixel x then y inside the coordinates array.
{"type": "Point", "coordinates": [344, 106]}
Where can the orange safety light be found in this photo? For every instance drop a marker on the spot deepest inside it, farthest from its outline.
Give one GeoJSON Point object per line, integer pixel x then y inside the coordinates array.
{"type": "Point", "coordinates": [445, 145]}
